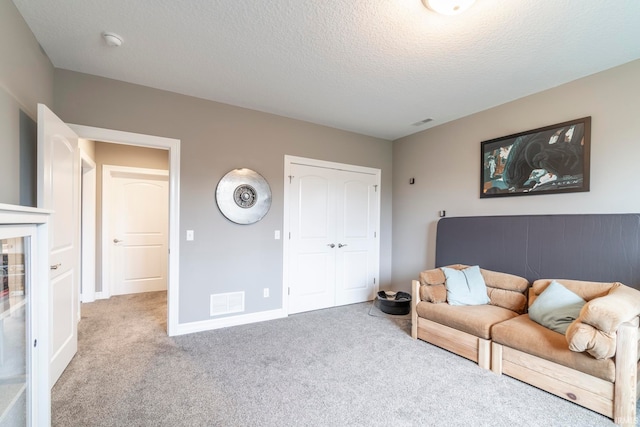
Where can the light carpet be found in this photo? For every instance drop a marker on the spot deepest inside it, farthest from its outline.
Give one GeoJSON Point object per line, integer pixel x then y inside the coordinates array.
{"type": "Point", "coordinates": [333, 367]}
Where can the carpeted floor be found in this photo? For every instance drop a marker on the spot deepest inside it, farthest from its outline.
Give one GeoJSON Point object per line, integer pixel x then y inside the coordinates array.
{"type": "Point", "coordinates": [333, 367]}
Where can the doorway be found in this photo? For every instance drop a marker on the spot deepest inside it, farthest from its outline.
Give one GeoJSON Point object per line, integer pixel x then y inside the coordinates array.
{"type": "Point", "coordinates": [172, 147]}
{"type": "Point", "coordinates": [331, 250]}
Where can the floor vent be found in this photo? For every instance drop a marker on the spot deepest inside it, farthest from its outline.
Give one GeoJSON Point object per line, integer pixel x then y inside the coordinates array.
{"type": "Point", "coordinates": [232, 302]}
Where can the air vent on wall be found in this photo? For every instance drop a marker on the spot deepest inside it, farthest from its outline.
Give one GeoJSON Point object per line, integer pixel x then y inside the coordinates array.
{"type": "Point", "coordinates": [232, 302]}
{"type": "Point", "coordinates": [422, 122]}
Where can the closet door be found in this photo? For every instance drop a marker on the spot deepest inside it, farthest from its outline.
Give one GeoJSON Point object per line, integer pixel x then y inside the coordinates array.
{"type": "Point", "coordinates": [313, 246]}
{"type": "Point", "coordinates": [356, 257]}
{"type": "Point", "coordinates": [333, 250]}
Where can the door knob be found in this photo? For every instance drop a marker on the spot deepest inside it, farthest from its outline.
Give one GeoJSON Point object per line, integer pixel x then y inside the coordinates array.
{"type": "Point", "coordinates": [340, 245]}
{"type": "Point", "coordinates": [55, 266]}
{"type": "Point", "coordinates": [117, 240]}
{"type": "Point", "coordinates": [331, 245]}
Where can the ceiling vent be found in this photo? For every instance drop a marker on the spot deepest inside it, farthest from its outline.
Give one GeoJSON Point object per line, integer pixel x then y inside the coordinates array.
{"type": "Point", "coordinates": [423, 122]}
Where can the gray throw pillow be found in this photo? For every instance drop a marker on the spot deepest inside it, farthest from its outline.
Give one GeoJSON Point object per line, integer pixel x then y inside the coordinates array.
{"type": "Point", "coordinates": [465, 287]}
{"type": "Point", "coordinates": [556, 307]}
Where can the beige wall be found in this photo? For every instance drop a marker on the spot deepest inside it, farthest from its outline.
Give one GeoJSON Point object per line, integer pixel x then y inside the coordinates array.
{"type": "Point", "coordinates": [26, 78]}
{"type": "Point", "coordinates": [216, 138]}
{"type": "Point", "coordinates": [445, 162]}
{"type": "Point", "coordinates": [120, 155]}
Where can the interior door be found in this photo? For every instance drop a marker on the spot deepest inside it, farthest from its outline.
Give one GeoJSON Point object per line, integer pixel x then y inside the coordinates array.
{"type": "Point", "coordinates": [356, 218]}
{"type": "Point", "coordinates": [59, 190]}
{"type": "Point", "coordinates": [312, 227]}
{"type": "Point", "coordinates": [333, 255]}
{"type": "Point", "coordinates": [138, 234]}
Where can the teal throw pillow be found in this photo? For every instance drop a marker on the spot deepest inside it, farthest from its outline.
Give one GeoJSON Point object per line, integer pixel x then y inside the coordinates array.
{"type": "Point", "coordinates": [556, 307]}
{"type": "Point", "coordinates": [465, 287]}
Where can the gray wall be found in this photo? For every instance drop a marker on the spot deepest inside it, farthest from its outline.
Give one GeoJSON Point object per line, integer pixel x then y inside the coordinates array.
{"type": "Point", "coordinates": [445, 162]}
{"type": "Point", "coordinates": [215, 139]}
{"type": "Point", "coordinates": [26, 78]}
{"type": "Point", "coordinates": [120, 155]}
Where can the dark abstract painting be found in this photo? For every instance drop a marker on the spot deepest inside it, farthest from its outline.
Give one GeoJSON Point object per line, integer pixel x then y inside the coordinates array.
{"type": "Point", "coordinates": [553, 159]}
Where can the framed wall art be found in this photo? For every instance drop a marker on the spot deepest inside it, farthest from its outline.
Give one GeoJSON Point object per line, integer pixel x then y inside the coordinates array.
{"type": "Point", "coordinates": [552, 159]}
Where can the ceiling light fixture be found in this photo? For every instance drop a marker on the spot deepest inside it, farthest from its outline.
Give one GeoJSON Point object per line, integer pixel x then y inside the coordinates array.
{"type": "Point", "coordinates": [112, 39]}
{"type": "Point", "coordinates": [448, 7]}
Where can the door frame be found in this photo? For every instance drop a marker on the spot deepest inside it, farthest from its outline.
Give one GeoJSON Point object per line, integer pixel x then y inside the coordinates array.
{"type": "Point", "coordinates": [107, 248]}
{"type": "Point", "coordinates": [173, 146]}
{"type": "Point", "coordinates": [88, 228]}
{"type": "Point", "coordinates": [288, 162]}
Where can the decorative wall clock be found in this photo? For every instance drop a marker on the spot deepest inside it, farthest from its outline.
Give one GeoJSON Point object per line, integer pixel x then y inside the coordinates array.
{"type": "Point", "coordinates": [243, 196]}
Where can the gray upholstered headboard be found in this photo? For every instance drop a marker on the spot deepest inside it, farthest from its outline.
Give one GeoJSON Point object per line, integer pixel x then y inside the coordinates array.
{"type": "Point", "coordinates": [602, 248]}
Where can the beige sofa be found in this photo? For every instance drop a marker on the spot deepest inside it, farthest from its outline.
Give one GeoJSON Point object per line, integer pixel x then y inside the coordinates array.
{"type": "Point", "coordinates": [465, 330]}
{"type": "Point", "coordinates": [594, 365]}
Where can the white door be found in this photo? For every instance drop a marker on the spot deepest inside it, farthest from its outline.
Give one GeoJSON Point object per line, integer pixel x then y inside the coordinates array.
{"type": "Point", "coordinates": [138, 215]}
{"type": "Point", "coordinates": [333, 249]}
{"type": "Point", "coordinates": [312, 243]}
{"type": "Point", "coordinates": [356, 254]}
{"type": "Point", "coordinates": [59, 190]}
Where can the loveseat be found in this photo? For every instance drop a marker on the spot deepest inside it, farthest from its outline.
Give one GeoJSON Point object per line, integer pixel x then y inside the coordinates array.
{"type": "Point", "coordinates": [595, 364]}
{"type": "Point", "coordinates": [465, 330]}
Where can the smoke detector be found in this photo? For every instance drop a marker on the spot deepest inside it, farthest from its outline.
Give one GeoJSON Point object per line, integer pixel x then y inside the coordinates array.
{"type": "Point", "coordinates": [112, 39]}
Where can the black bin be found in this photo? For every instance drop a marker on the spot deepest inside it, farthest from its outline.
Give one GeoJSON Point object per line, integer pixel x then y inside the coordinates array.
{"type": "Point", "coordinates": [399, 304]}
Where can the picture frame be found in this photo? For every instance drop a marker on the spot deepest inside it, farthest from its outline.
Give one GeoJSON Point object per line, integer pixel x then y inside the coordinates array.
{"type": "Point", "coordinates": [548, 160]}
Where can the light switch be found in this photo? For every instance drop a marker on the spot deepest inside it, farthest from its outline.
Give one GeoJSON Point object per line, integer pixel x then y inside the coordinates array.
{"type": "Point", "coordinates": [189, 234]}
{"type": "Point", "coordinates": [276, 235]}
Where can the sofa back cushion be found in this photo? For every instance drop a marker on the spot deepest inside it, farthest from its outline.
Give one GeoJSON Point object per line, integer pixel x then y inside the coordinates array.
{"type": "Point", "coordinates": [585, 290]}
{"type": "Point", "coordinates": [504, 290]}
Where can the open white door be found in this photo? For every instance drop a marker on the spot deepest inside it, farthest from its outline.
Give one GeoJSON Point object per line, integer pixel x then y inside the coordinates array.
{"type": "Point", "coordinates": [59, 190]}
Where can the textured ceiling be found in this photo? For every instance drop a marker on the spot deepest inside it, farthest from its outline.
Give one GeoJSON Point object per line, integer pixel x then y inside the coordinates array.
{"type": "Point", "coordinates": [369, 66]}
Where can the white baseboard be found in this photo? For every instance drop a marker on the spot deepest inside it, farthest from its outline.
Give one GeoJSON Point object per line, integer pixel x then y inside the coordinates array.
{"type": "Point", "coordinates": [86, 298]}
{"type": "Point", "coordinates": [224, 322]}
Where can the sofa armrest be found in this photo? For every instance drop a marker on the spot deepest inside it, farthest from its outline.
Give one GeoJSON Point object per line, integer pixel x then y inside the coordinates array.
{"type": "Point", "coordinates": [608, 312]}
{"type": "Point", "coordinates": [596, 329]}
{"type": "Point", "coordinates": [626, 373]}
{"type": "Point", "coordinates": [415, 299]}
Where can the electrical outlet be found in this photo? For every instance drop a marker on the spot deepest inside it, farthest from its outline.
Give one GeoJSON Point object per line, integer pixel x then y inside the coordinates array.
{"type": "Point", "coordinates": [265, 292]}
{"type": "Point", "coordinates": [189, 234]}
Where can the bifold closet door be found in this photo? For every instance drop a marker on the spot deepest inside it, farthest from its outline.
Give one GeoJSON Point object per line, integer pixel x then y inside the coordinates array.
{"type": "Point", "coordinates": [333, 256]}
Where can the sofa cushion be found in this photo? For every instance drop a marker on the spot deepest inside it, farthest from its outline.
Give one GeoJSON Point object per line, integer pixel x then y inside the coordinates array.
{"type": "Point", "coordinates": [595, 331]}
{"type": "Point", "coordinates": [585, 290]}
{"type": "Point", "coordinates": [606, 313]}
{"type": "Point", "coordinates": [583, 337]}
{"type": "Point", "coordinates": [433, 293]}
{"type": "Point", "coordinates": [504, 290]}
{"type": "Point", "coordinates": [466, 286]}
{"type": "Point", "coordinates": [472, 319]}
{"type": "Point", "coordinates": [511, 300]}
{"type": "Point", "coordinates": [556, 307]}
{"type": "Point", "coordinates": [522, 333]}
{"type": "Point", "coordinates": [506, 281]}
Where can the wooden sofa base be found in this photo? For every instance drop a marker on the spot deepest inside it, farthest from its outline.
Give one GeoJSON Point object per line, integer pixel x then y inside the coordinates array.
{"type": "Point", "coordinates": [458, 342]}
{"type": "Point", "coordinates": [585, 390]}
